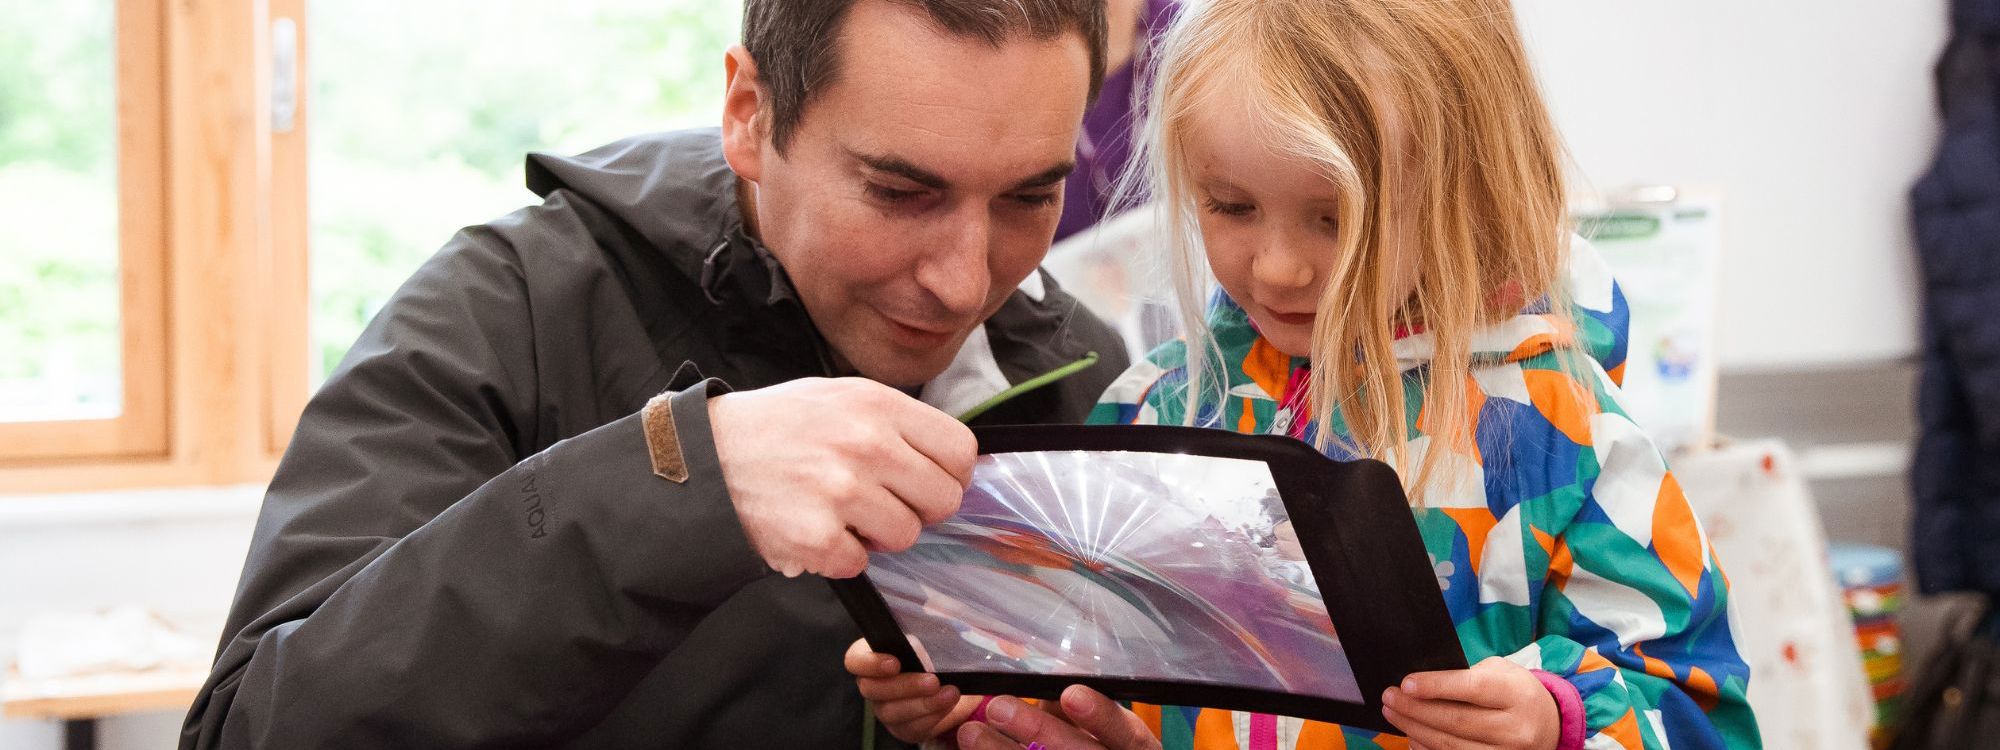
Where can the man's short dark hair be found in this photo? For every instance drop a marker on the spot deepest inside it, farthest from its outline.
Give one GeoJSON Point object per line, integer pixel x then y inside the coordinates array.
{"type": "Point", "coordinates": [795, 43]}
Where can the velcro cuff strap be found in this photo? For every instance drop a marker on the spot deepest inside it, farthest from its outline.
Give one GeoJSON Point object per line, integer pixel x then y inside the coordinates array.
{"type": "Point", "coordinates": [663, 440]}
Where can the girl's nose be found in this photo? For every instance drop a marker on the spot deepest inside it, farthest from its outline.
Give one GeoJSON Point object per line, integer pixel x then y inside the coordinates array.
{"type": "Point", "coordinates": [1283, 265]}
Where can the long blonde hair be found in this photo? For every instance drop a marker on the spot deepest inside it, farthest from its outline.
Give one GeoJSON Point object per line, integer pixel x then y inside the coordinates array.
{"type": "Point", "coordinates": [1332, 82]}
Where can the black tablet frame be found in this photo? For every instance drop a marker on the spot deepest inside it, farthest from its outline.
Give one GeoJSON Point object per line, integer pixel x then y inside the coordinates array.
{"type": "Point", "coordinates": [1360, 540]}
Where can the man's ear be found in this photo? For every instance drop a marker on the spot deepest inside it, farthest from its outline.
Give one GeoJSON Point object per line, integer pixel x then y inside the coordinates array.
{"type": "Point", "coordinates": [743, 116]}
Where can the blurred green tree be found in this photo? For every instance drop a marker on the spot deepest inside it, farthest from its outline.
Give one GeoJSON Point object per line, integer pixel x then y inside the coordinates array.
{"type": "Point", "coordinates": [423, 113]}
{"type": "Point", "coordinates": [421, 116]}
{"type": "Point", "coordinates": [59, 348]}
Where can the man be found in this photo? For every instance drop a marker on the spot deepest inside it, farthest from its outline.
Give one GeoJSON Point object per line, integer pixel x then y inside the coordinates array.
{"type": "Point", "coordinates": [488, 531]}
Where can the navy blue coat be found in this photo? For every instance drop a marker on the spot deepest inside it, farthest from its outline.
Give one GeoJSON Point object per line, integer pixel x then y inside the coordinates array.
{"type": "Point", "coordinates": [1956, 477]}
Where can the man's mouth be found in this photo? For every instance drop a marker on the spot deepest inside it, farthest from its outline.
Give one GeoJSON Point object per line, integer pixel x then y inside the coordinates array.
{"type": "Point", "coordinates": [924, 336]}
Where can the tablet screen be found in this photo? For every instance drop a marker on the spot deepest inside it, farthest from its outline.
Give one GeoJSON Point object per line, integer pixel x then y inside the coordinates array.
{"type": "Point", "coordinates": [1146, 566]}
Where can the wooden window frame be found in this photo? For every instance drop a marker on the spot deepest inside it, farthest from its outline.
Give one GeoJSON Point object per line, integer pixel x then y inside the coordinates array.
{"type": "Point", "coordinates": [288, 333]}
{"type": "Point", "coordinates": [212, 263]}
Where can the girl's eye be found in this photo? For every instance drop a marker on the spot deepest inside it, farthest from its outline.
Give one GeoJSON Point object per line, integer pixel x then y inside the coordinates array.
{"type": "Point", "coordinates": [892, 195]}
{"type": "Point", "coordinates": [1220, 208]}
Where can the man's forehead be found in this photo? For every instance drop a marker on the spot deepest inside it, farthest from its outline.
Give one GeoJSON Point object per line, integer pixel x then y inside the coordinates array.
{"type": "Point", "coordinates": [958, 107]}
{"type": "Point", "coordinates": [885, 44]}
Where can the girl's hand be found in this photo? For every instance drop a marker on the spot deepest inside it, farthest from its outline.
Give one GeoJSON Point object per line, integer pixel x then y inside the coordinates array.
{"type": "Point", "coordinates": [1082, 720]}
{"type": "Point", "coordinates": [1497, 704]}
{"type": "Point", "coordinates": [915, 707]}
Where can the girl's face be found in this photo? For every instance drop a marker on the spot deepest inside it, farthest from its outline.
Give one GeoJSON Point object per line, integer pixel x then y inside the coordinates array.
{"type": "Point", "coordinates": [1267, 222]}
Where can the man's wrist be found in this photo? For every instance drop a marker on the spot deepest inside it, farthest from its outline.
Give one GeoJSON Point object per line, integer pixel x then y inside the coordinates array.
{"type": "Point", "coordinates": [663, 434]}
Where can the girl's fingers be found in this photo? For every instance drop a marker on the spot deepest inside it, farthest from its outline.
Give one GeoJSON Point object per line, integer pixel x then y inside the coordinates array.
{"type": "Point", "coordinates": [1465, 720]}
{"type": "Point", "coordinates": [978, 736]}
{"type": "Point", "coordinates": [910, 710]}
{"type": "Point", "coordinates": [1482, 688]}
{"type": "Point", "coordinates": [918, 720]}
{"type": "Point", "coordinates": [1493, 683]}
{"type": "Point", "coordinates": [903, 714]}
{"type": "Point", "coordinates": [862, 661]}
{"type": "Point", "coordinates": [899, 687]}
{"type": "Point", "coordinates": [1424, 735]}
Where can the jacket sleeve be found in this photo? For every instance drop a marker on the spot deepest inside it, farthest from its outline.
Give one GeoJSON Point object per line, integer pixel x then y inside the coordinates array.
{"type": "Point", "coordinates": [1634, 612]}
{"type": "Point", "coordinates": [416, 580]}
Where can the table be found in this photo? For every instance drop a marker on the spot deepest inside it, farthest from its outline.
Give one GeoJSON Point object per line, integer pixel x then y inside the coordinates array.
{"type": "Point", "coordinates": [1807, 683]}
{"type": "Point", "coordinates": [78, 702]}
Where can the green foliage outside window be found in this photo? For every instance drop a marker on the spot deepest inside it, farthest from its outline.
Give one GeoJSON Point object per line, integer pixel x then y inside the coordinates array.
{"type": "Point", "coordinates": [422, 113]}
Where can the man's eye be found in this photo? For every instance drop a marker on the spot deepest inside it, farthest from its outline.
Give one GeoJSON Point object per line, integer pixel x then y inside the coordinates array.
{"type": "Point", "coordinates": [892, 195]}
{"type": "Point", "coordinates": [1038, 200]}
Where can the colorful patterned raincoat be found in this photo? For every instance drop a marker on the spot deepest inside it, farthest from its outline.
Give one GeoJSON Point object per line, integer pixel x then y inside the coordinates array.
{"type": "Point", "coordinates": [1561, 541]}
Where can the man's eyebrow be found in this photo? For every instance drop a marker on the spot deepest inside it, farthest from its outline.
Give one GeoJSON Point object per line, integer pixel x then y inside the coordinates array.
{"type": "Point", "coordinates": [1048, 177]}
{"type": "Point", "coordinates": [904, 169]}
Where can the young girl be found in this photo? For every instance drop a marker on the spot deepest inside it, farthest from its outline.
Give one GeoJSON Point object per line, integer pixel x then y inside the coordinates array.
{"type": "Point", "coordinates": [1377, 189]}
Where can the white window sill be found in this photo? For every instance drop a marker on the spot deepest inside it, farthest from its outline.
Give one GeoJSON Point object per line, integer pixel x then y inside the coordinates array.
{"type": "Point", "coordinates": [178, 505]}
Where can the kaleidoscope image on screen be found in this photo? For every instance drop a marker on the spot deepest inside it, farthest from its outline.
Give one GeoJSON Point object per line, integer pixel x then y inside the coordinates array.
{"type": "Point", "coordinates": [1152, 566]}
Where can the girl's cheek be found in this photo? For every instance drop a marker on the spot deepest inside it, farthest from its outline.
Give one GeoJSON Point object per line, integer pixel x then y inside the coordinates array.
{"type": "Point", "coordinates": [1230, 261]}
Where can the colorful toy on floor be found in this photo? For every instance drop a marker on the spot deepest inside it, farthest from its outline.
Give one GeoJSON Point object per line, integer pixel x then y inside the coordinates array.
{"type": "Point", "coordinates": [1871, 581]}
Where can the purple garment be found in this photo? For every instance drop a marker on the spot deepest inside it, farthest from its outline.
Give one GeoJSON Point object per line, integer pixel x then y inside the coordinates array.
{"type": "Point", "coordinates": [1106, 145]}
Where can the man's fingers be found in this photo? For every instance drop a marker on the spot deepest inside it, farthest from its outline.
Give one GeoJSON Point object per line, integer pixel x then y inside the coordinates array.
{"type": "Point", "coordinates": [1026, 724]}
{"type": "Point", "coordinates": [938, 436]}
{"type": "Point", "coordinates": [862, 661]}
{"type": "Point", "coordinates": [1100, 724]}
{"type": "Point", "coordinates": [1113, 725]}
{"type": "Point", "coordinates": [883, 522]}
{"type": "Point", "coordinates": [926, 488]}
{"type": "Point", "coordinates": [844, 558]}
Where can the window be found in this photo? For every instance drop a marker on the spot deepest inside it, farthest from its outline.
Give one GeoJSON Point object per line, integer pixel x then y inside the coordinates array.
{"type": "Point", "coordinates": [81, 364]}
{"type": "Point", "coordinates": [319, 153]}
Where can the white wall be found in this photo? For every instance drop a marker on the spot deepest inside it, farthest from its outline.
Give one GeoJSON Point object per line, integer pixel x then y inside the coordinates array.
{"type": "Point", "coordinates": [176, 552]}
{"type": "Point", "coordinates": [1811, 118]}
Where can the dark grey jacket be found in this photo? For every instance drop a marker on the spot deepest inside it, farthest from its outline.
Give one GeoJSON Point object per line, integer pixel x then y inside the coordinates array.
{"type": "Point", "coordinates": [465, 545]}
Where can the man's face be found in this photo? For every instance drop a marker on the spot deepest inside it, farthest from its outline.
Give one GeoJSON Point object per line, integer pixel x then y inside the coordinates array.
{"type": "Point", "coordinates": [920, 188]}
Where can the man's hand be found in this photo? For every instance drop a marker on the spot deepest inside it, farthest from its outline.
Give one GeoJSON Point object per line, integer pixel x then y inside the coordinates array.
{"type": "Point", "coordinates": [914, 705]}
{"type": "Point", "coordinates": [1497, 704]}
{"type": "Point", "coordinates": [823, 471]}
{"type": "Point", "coordinates": [1083, 720]}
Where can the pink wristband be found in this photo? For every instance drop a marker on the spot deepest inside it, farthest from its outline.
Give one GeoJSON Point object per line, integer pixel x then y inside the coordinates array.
{"type": "Point", "coordinates": [1569, 710]}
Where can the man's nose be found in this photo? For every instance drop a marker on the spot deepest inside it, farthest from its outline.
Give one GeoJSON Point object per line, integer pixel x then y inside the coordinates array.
{"type": "Point", "coordinates": [956, 271]}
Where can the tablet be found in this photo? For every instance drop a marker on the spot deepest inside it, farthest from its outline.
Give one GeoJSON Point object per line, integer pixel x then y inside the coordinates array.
{"type": "Point", "coordinates": [1168, 565]}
